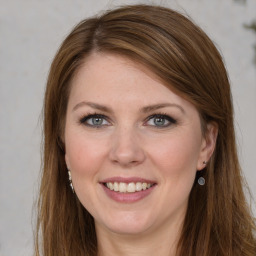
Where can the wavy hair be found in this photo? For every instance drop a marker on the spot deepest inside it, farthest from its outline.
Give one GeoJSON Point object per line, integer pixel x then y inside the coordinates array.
{"type": "Point", "coordinates": [218, 219]}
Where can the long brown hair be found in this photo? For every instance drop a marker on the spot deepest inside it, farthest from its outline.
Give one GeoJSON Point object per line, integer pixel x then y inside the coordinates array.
{"type": "Point", "coordinates": [218, 219]}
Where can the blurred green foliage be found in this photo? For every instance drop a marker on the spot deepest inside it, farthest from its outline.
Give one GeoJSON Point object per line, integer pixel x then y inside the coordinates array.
{"type": "Point", "coordinates": [251, 26]}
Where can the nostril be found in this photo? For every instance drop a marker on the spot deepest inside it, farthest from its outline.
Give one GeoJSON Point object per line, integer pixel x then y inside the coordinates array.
{"type": "Point", "coordinates": [128, 157]}
{"type": "Point", "coordinates": [126, 147]}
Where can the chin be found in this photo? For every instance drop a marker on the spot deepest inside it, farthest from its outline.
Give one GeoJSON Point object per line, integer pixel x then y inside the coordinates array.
{"type": "Point", "coordinates": [127, 224]}
{"type": "Point", "coordinates": [129, 229]}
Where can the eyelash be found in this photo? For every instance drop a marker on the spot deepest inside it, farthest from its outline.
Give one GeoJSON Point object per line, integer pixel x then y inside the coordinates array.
{"type": "Point", "coordinates": [84, 119]}
{"type": "Point", "coordinates": [164, 116]}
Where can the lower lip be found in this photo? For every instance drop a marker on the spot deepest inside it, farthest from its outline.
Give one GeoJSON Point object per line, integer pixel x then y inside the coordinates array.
{"type": "Point", "coordinates": [127, 197]}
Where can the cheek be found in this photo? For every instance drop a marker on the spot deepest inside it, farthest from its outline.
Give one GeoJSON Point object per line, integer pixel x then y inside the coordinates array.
{"type": "Point", "coordinates": [85, 159]}
{"type": "Point", "coordinates": [176, 161]}
{"type": "Point", "coordinates": [83, 154]}
{"type": "Point", "coordinates": [177, 156]}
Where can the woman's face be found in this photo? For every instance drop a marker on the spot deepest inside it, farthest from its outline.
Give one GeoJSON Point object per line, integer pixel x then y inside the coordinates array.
{"type": "Point", "coordinates": [132, 145]}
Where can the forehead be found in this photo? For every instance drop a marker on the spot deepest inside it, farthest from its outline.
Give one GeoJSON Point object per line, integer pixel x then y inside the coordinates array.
{"type": "Point", "coordinates": [108, 75]}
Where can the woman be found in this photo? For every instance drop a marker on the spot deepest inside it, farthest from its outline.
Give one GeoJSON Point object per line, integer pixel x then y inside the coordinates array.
{"type": "Point", "coordinates": [139, 147]}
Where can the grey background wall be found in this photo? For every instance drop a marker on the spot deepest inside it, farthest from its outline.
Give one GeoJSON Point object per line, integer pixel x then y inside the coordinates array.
{"type": "Point", "coordinates": [30, 33]}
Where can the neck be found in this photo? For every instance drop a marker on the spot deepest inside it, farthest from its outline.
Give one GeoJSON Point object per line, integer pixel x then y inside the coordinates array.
{"type": "Point", "coordinates": [162, 241]}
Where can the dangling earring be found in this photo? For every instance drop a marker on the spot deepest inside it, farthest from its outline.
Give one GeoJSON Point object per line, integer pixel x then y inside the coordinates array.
{"type": "Point", "coordinates": [70, 181]}
{"type": "Point", "coordinates": [201, 180]}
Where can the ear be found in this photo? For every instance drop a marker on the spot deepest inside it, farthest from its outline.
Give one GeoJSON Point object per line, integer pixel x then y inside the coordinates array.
{"type": "Point", "coordinates": [208, 145]}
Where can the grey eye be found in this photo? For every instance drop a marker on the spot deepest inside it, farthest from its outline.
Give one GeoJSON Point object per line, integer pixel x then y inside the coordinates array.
{"type": "Point", "coordinates": [96, 121]}
{"type": "Point", "coordinates": [159, 121]}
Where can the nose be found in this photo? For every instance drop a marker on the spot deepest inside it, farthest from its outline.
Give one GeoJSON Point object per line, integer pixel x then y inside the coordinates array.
{"type": "Point", "coordinates": [126, 148]}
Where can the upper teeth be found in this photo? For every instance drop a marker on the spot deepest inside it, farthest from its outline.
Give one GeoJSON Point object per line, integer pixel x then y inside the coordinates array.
{"type": "Point", "coordinates": [128, 187]}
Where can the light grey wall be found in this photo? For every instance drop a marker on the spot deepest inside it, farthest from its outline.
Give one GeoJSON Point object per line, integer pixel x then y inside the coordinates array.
{"type": "Point", "coordinates": [30, 33]}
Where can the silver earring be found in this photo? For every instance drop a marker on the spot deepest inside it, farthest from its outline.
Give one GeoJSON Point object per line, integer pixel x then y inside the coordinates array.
{"type": "Point", "coordinates": [70, 181]}
{"type": "Point", "coordinates": [201, 181]}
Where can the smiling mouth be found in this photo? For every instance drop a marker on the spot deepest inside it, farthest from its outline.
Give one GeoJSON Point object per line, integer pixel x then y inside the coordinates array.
{"type": "Point", "coordinates": [131, 187]}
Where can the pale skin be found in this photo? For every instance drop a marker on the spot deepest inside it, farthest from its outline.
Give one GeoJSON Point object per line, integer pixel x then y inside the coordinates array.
{"type": "Point", "coordinates": [123, 122]}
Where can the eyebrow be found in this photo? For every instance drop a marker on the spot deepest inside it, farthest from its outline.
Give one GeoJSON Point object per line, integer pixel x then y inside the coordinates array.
{"type": "Point", "coordinates": [93, 105]}
{"type": "Point", "coordinates": [162, 105]}
{"type": "Point", "coordinates": [145, 109]}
